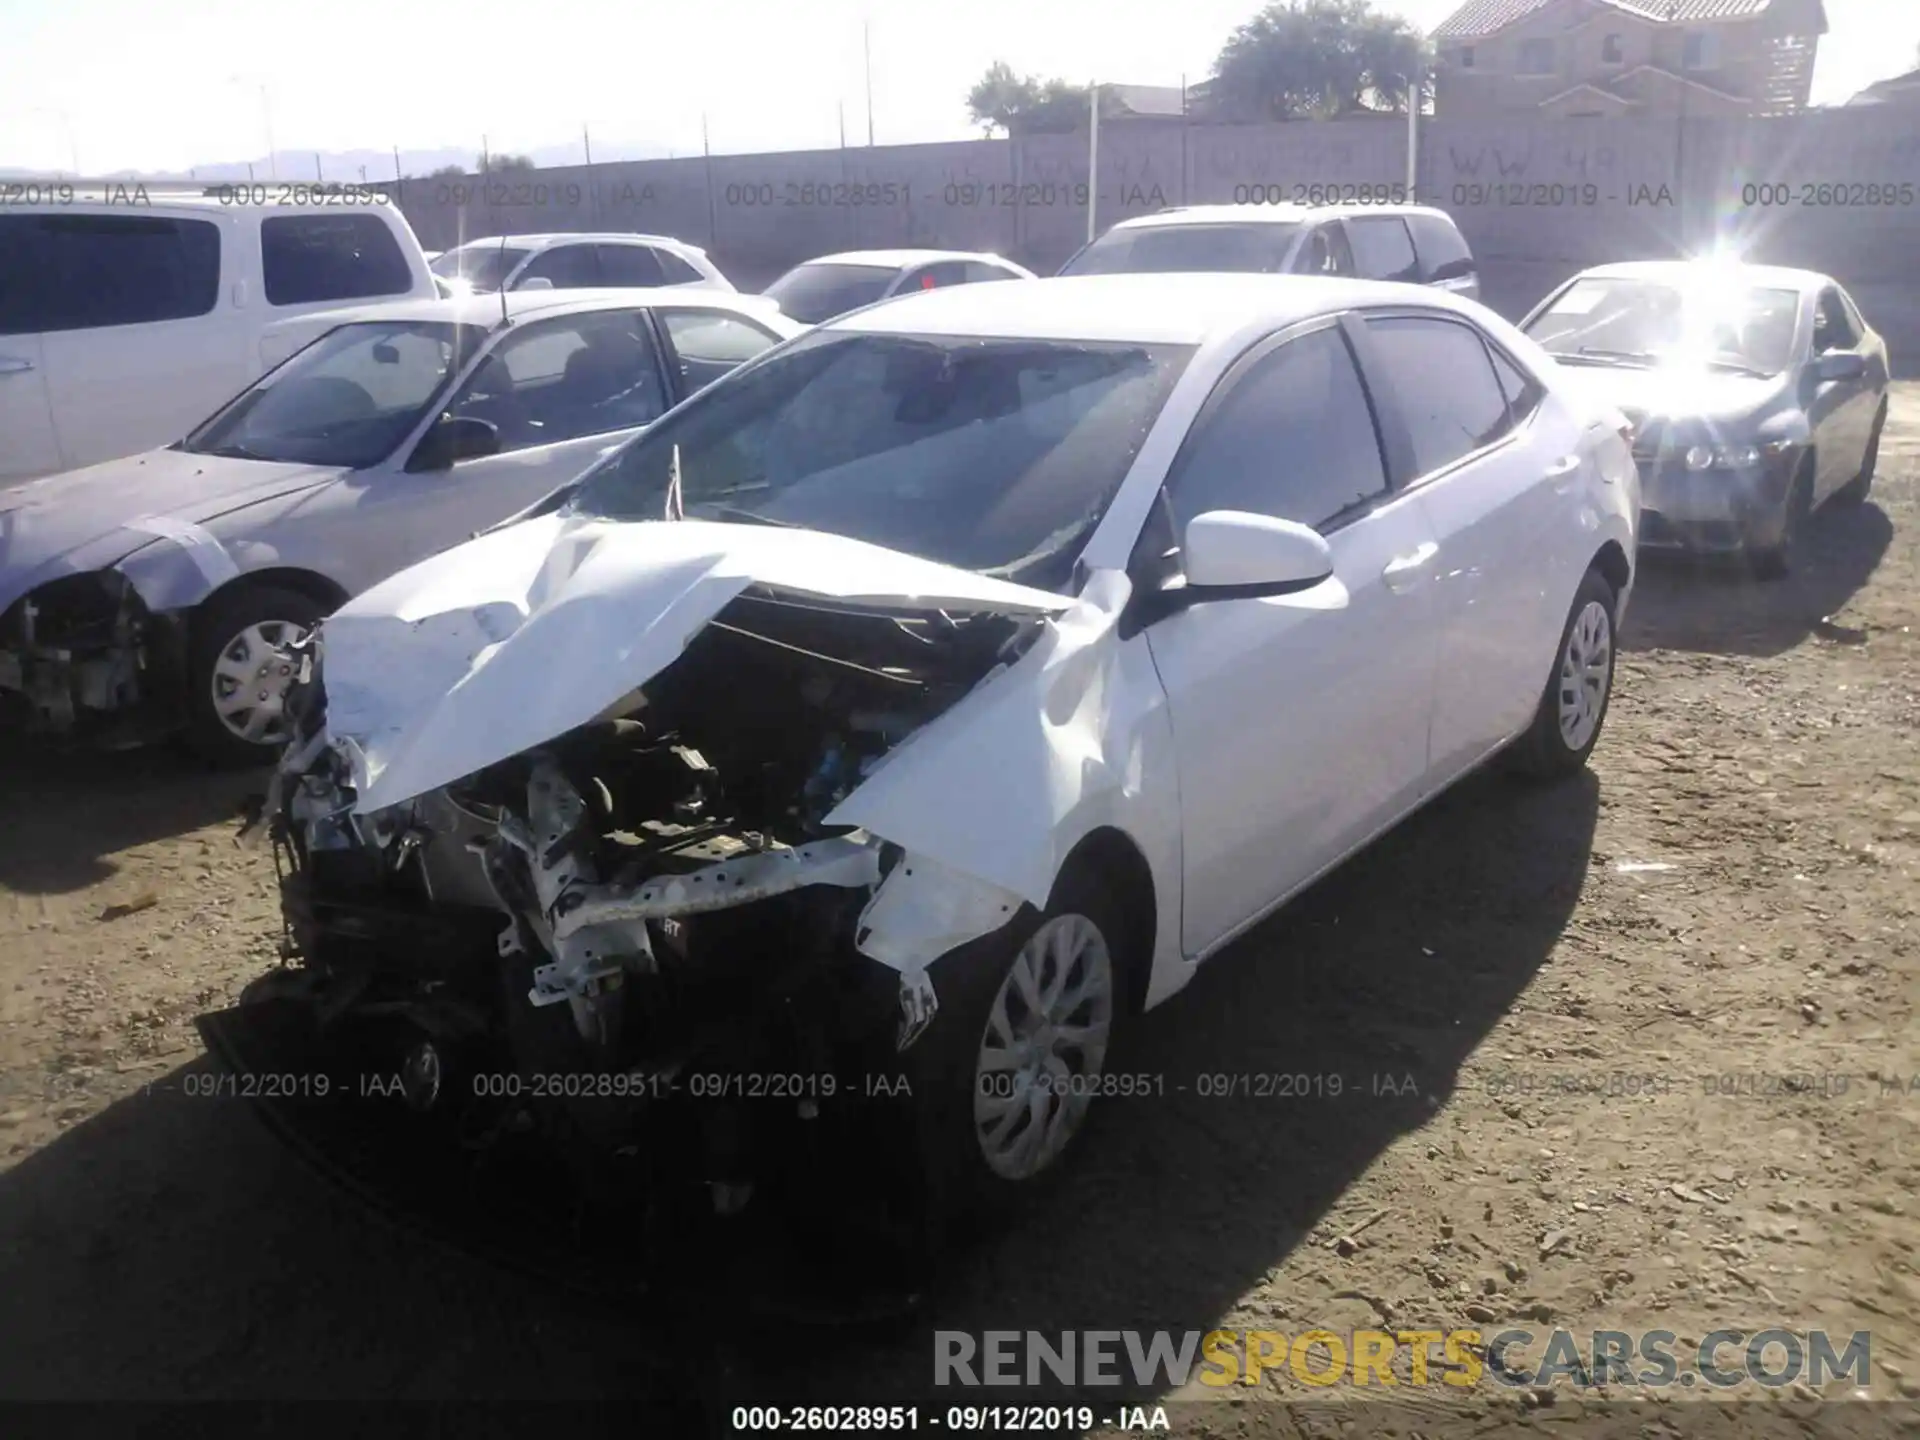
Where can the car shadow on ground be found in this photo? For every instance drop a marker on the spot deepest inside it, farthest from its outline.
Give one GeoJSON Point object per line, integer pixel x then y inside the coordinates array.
{"type": "Point", "coordinates": [1717, 607]}
{"type": "Point", "coordinates": [1383, 978]}
{"type": "Point", "coordinates": [171, 1247]}
{"type": "Point", "coordinates": [65, 813]}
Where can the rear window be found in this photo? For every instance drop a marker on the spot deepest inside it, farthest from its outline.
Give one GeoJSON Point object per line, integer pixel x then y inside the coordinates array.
{"type": "Point", "coordinates": [1382, 248]}
{"type": "Point", "coordinates": [311, 258]}
{"type": "Point", "coordinates": [813, 293]}
{"type": "Point", "coordinates": [1443, 252]}
{"type": "Point", "coordinates": [1238, 249]}
{"type": "Point", "coordinates": [676, 271]}
{"type": "Point", "coordinates": [88, 272]}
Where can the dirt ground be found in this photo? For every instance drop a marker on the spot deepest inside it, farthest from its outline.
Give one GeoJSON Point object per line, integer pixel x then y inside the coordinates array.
{"type": "Point", "coordinates": [1727, 899]}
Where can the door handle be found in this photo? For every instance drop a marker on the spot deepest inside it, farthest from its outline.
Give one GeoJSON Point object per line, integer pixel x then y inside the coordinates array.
{"type": "Point", "coordinates": [1403, 572]}
{"type": "Point", "coordinates": [14, 365]}
{"type": "Point", "coordinates": [1563, 472]}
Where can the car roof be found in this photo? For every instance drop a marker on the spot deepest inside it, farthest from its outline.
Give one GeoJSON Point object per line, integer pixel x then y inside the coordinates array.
{"type": "Point", "coordinates": [486, 309]}
{"type": "Point", "coordinates": [1288, 213]}
{"type": "Point", "coordinates": [1783, 277]}
{"type": "Point", "coordinates": [1186, 309]}
{"type": "Point", "coordinates": [564, 237]}
{"type": "Point", "coordinates": [897, 259]}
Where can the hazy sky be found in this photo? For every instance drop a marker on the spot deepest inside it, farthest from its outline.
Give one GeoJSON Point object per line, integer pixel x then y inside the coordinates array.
{"type": "Point", "coordinates": [133, 84]}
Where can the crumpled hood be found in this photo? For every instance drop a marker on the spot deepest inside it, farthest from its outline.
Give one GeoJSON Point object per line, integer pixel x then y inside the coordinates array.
{"type": "Point", "coordinates": [511, 639]}
{"type": "Point", "coordinates": [1674, 394]}
{"type": "Point", "coordinates": [88, 519]}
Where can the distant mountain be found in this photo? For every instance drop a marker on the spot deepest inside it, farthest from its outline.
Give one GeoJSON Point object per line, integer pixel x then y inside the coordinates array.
{"type": "Point", "coordinates": [345, 167]}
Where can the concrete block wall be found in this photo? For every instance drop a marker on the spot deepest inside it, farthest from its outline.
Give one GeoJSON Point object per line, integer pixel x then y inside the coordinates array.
{"type": "Point", "coordinates": [1834, 191]}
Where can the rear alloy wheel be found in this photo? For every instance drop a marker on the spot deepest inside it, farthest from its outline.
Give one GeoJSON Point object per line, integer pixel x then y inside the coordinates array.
{"type": "Point", "coordinates": [1856, 490]}
{"type": "Point", "coordinates": [239, 675]}
{"type": "Point", "coordinates": [1573, 708]}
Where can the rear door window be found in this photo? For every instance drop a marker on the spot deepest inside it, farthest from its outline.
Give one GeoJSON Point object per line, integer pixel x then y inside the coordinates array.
{"type": "Point", "coordinates": [307, 259]}
{"type": "Point", "coordinates": [674, 270]}
{"type": "Point", "coordinates": [979, 271]}
{"type": "Point", "coordinates": [629, 265]}
{"type": "Point", "coordinates": [90, 272]}
{"type": "Point", "coordinates": [1439, 375]}
{"type": "Point", "coordinates": [708, 343]}
{"type": "Point", "coordinates": [565, 267]}
{"type": "Point", "coordinates": [1382, 247]}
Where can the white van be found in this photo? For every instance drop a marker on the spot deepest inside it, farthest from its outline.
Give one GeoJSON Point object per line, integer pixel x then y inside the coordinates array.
{"type": "Point", "coordinates": [129, 314]}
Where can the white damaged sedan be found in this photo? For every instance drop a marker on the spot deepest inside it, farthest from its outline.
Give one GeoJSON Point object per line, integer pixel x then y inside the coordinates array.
{"type": "Point", "coordinates": [930, 696]}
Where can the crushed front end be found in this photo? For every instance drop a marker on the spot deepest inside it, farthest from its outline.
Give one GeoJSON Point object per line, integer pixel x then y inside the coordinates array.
{"type": "Point", "coordinates": [636, 947]}
{"type": "Point", "coordinates": [83, 657]}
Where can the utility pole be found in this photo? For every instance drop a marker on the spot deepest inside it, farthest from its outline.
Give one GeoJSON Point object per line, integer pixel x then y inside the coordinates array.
{"type": "Point", "coordinates": [866, 46]}
{"type": "Point", "coordinates": [266, 119]}
{"type": "Point", "coordinates": [586, 142]}
{"type": "Point", "coordinates": [713, 213]}
{"type": "Point", "coordinates": [1093, 157]}
{"type": "Point", "coordinates": [1415, 84]}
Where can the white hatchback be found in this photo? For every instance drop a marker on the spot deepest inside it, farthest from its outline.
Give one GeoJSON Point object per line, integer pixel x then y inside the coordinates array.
{"type": "Point", "coordinates": [1017, 645]}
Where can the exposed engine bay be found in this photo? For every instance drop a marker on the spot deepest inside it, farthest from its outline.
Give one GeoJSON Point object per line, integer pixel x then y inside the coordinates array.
{"type": "Point", "coordinates": [641, 935]}
{"type": "Point", "coordinates": [83, 655]}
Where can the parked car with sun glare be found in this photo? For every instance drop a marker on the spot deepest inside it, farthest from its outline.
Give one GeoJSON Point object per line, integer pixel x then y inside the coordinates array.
{"type": "Point", "coordinates": [1757, 395]}
{"type": "Point", "coordinates": [928, 698]}
{"type": "Point", "coordinates": [155, 593]}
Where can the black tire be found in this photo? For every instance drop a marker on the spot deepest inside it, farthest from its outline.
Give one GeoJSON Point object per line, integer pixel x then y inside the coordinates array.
{"type": "Point", "coordinates": [942, 1066]}
{"type": "Point", "coordinates": [1776, 561]}
{"type": "Point", "coordinates": [1547, 751]}
{"type": "Point", "coordinates": [1856, 490]}
{"type": "Point", "coordinates": [217, 628]}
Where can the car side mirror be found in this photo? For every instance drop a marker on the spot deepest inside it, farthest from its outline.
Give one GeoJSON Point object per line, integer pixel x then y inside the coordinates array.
{"type": "Point", "coordinates": [455, 438]}
{"type": "Point", "coordinates": [1237, 555]}
{"type": "Point", "coordinates": [1839, 365]}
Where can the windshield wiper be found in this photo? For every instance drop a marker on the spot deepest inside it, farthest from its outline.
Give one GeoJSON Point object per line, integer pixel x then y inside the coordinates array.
{"type": "Point", "coordinates": [1616, 357]}
{"type": "Point", "coordinates": [754, 517]}
{"type": "Point", "coordinates": [234, 452]}
{"type": "Point", "coordinates": [1721, 362]}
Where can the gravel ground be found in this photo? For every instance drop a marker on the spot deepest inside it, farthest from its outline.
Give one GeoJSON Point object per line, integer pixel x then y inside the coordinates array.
{"type": "Point", "coordinates": [1727, 899]}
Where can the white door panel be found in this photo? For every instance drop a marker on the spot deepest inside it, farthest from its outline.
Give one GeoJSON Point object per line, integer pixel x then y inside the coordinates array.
{"type": "Point", "coordinates": [1299, 721]}
{"type": "Point", "coordinates": [28, 445]}
{"type": "Point", "coordinates": [125, 388]}
{"type": "Point", "coordinates": [1505, 523]}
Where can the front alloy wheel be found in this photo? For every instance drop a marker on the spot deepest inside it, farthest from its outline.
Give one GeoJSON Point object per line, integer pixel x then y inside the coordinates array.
{"type": "Point", "coordinates": [1043, 1047]}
